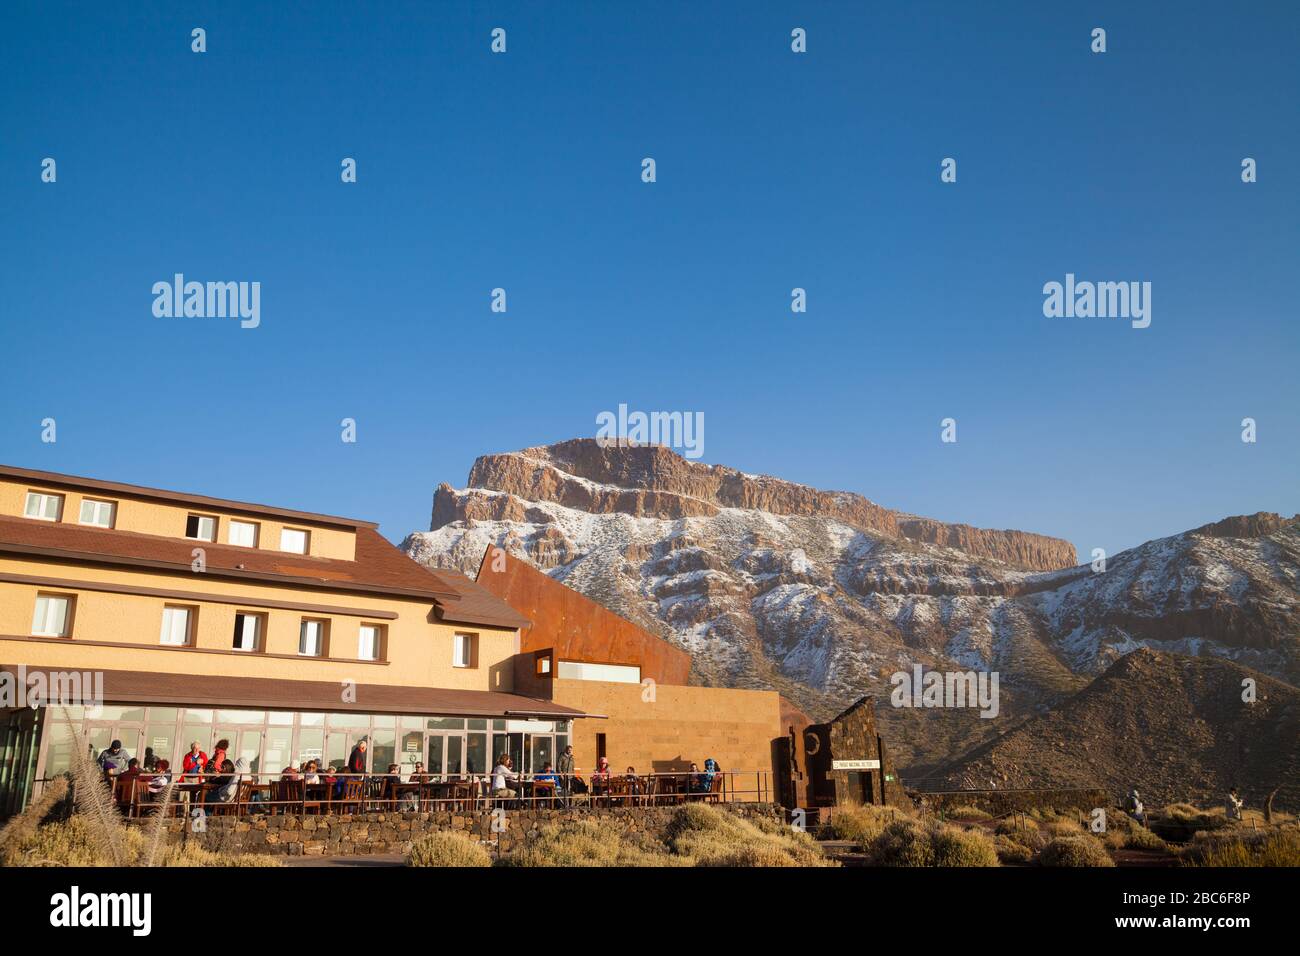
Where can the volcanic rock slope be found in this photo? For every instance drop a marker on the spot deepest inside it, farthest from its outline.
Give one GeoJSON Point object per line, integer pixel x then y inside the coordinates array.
{"type": "Point", "coordinates": [823, 595]}
{"type": "Point", "coordinates": [1178, 728]}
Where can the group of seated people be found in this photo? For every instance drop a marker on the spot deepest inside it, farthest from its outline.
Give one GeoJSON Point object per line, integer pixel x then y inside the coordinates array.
{"type": "Point", "coordinates": [122, 771]}
{"type": "Point", "coordinates": [221, 776]}
{"type": "Point", "coordinates": [506, 783]}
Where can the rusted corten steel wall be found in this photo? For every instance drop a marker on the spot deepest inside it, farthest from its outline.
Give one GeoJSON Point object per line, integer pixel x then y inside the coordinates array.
{"type": "Point", "coordinates": [575, 626]}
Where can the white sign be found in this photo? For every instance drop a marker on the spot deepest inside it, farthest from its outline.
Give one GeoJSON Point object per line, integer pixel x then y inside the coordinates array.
{"type": "Point", "coordinates": [855, 764]}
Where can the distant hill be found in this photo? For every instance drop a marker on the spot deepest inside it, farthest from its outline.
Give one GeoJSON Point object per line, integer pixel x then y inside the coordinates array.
{"type": "Point", "coordinates": [1173, 726]}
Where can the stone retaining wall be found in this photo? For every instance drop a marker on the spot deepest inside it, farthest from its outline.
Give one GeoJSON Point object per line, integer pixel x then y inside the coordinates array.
{"type": "Point", "coordinates": [1004, 801]}
{"type": "Point", "coordinates": [393, 832]}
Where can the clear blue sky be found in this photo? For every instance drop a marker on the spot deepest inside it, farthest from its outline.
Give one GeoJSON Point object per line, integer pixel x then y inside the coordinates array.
{"type": "Point", "coordinates": [775, 170]}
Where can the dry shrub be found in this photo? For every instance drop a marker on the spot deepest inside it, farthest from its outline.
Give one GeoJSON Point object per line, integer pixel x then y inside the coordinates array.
{"type": "Point", "coordinates": [78, 842]}
{"type": "Point", "coordinates": [1245, 848]}
{"type": "Point", "coordinates": [711, 836]}
{"type": "Point", "coordinates": [954, 846]}
{"type": "Point", "coordinates": [1011, 851]}
{"type": "Point", "coordinates": [1064, 828]}
{"type": "Point", "coordinates": [1184, 814]}
{"type": "Point", "coordinates": [861, 823]}
{"type": "Point", "coordinates": [1123, 832]}
{"type": "Point", "coordinates": [23, 827]}
{"type": "Point", "coordinates": [1015, 825]}
{"type": "Point", "coordinates": [1080, 850]}
{"type": "Point", "coordinates": [966, 812]}
{"type": "Point", "coordinates": [909, 842]}
{"type": "Point", "coordinates": [588, 842]}
{"type": "Point", "coordinates": [448, 848]}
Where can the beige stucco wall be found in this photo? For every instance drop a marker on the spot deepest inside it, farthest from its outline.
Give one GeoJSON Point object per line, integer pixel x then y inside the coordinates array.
{"type": "Point", "coordinates": [146, 516]}
{"type": "Point", "coordinates": [418, 652]}
{"type": "Point", "coordinates": [681, 724]}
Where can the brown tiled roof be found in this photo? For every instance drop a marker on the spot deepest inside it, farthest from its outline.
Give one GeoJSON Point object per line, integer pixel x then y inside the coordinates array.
{"type": "Point", "coordinates": [148, 687]}
{"type": "Point", "coordinates": [379, 567]}
{"type": "Point", "coordinates": [158, 494]}
{"type": "Point", "coordinates": [476, 604]}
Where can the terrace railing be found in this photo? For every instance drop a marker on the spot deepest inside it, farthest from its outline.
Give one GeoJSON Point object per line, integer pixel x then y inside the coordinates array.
{"type": "Point", "coordinates": [328, 793]}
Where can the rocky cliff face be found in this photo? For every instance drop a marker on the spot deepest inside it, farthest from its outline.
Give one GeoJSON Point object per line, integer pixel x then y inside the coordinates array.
{"type": "Point", "coordinates": [825, 595]}
{"type": "Point", "coordinates": [649, 481]}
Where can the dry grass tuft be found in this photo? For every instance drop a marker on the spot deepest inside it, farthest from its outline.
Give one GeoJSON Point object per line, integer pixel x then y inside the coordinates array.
{"type": "Point", "coordinates": [1075, 851]}
{"type": "Point", "coordinates": [78, 842]}
{"type": "Point", "coordinates": [1279, 847]}
{"type": "Point", "coordinates": [23, 827]}
{"type": "Point", "coordinates": [909, 842]}
{"type": "Point", "coordinates": [588, 843]}
{"type": "Point", "coordinates": [450, 848]}
{"type": "Point", "coordinates": [861, 823]}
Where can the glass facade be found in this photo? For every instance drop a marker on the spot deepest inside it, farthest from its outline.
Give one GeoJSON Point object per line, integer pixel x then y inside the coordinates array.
{"type": "Point", "coordinates": [273, 740]}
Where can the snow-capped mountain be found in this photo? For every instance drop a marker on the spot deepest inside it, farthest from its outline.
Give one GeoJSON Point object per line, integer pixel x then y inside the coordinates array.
{"type": "Point", "coordinates": [824, 595]}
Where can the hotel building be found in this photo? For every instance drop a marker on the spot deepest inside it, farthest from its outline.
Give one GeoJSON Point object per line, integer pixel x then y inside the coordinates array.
{"type": "Point", "coordinates": [293, 635]}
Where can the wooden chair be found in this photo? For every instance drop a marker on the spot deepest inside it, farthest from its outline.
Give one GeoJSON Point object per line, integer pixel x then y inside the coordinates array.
{"type": "Point", "coordinates": [715, 789]}
{"type": "Point", "coordinates": [350, 800]}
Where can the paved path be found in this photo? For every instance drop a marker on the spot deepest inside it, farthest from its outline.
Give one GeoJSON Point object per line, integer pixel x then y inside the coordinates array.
{"type": "Point", "coordinates": [377, 859]}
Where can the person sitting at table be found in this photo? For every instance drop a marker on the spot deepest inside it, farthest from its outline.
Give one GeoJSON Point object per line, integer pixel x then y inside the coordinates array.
{"type": "Point", "coordinates": [290, 773]}
{"type": "Point", "coordinates": [161, 778]}
{"type": "Point", "coordinates": [600, 776]}
{"type": "Point", "coordinates": [311, 773]}
{"type": "Point", "coordinates": [711, 770]}
{"type": "Point", "coordinates": [502, 777]}
{"type": "Point", "coordinates": [695, 779]}
{"type": "Point", "coordinates": [218, 758]}
{"type": "Point", "coordinates": [548, 776]}
{"type": "Point", "coordinates": [223, 785]}
{"type": "Point", "coordinates": [418, 775]}
{"type": "Point", "coordinates": [194, 762]}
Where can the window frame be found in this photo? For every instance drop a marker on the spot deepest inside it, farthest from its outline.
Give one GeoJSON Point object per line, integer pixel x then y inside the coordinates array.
{"type": "Point", "coordinates": [191, 617]}
{"type": "Point", "coordinates": [70, 604]}
{"type": "Point", "coordinates": [322, 637]}
{"type": "Point", "coordinates": [59, 499]}
{"type": "Point", "coordinates": [380, 640]}
{"type": "Point", "coordinates": [471, 650]}
{"type": "Point", "coordinates": [201, 517]}
{"type": "Point", "coordinates": [231, 523]}
{"type": "Point", "coordinates": [259, 633]}
{"type": "Point", "coordinates": [306, 540]}
{"type": "Point", "coordinates": [108, 503]}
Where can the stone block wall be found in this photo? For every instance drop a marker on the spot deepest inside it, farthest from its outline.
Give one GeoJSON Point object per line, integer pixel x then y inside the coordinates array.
{"type": "Point", "coordinates": [389, 832]}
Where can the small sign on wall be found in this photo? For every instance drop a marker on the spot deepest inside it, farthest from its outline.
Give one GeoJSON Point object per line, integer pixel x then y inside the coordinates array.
{"type": "Point", "coordinates": [855, 764]}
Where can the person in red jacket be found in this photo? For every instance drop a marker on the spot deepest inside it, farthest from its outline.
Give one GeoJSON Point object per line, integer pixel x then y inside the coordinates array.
{"type": "Point", "coordinates": [194, 761]}
{"type": "Point", "coordinates": [219, 756]}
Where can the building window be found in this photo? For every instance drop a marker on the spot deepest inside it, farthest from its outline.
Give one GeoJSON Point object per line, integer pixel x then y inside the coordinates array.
{"type": "Point", "coordinates": [43, 507]}
{"type": "Point", "coordinates": [242, 533]}
{"type": "Point", "coordinates": [311, 638]}
{"type": "Point", "coordinates": [544, 661]}
{"type": "Point", "coordinates": [53, 615]}
{"type": "Point", "coordinates": [98, 513]}
{"type": "Point", "coordinates": [613, 673]}
{"type": "Point", "coordinates": [248, 631]}
{"type": "Point", "coordinates": [201, 528]}
{"type": "Point", "coordinates": [369, 642]}
{"type": "Point", "coordinates": [463, 650]}
{"type": "Point", "coordinates": [294, 540]}
{"type": "Point", "coordinates": [177, 626]}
